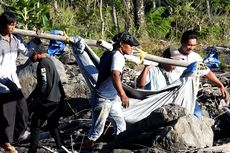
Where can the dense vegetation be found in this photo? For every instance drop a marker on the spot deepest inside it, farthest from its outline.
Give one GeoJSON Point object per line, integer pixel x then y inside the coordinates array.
{"type": "Point", "coordinates": [157, 23]}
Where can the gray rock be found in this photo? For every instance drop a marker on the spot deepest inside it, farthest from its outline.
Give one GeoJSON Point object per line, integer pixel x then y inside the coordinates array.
{"type": "Point", "coordinates": [169, 127]}
{"type": "Point", "coordinates": [121, 151]}
{"type": "Point", "coordinates": [61, 70]}
{"type": "Point", "coordinates": [67, 57]}
{"type": "Point", "coordinates": [187, 132]}
{"type": "Point", "coordinates": [73, 82]}
{"type": "Point", "coordinates": [27, 77]}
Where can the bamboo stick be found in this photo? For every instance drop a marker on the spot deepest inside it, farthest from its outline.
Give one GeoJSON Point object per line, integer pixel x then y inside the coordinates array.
{"type": "Point", "coordinates": [137, 60]}
{"type": "Point", "coordinates": [52, 37]}
{"type": "Point", "coordinates": [147, 57]}
{"type": "Point", "coordinates": [103, 44]}
{"type": "Point", "coordinates": [165, 60]}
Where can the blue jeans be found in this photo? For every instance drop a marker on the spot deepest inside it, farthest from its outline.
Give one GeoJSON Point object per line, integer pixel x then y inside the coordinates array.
{"type": "Point", "coordinates": [103, 109]}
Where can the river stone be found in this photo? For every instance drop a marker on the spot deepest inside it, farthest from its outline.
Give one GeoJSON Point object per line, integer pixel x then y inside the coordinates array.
{"type": "Point", "coordinates": [187, 132]}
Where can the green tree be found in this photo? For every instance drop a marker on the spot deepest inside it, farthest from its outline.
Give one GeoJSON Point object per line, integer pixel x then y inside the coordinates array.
{"type": "Point", "coordinates": [31, 13]}
{"type": "Point", "coordinates": [158, 26]}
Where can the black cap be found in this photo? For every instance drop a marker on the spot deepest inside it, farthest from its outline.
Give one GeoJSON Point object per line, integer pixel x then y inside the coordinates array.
{"type": "Point", "coordinates": [125, 37]}
{"type": "Point", "coordinates": [40, 49]}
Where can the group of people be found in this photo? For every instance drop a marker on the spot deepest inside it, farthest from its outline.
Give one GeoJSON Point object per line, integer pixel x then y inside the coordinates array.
{"type": "Point", "coordinates": [47, 97]}
{"type": "Point", "coordinates": [106, 101]}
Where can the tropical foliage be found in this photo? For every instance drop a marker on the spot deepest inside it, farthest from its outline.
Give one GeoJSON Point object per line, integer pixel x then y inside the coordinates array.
{"type": "Point", "coordinates": [31, 13]}
{"type": "Point", "coordinates": [163, 19]}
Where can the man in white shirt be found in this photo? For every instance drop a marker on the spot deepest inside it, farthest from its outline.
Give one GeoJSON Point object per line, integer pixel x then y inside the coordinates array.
{"type": "Point", "coordinates": [186, 53]}
{"type": "Point", "coordinates": [13, 107]}
{"type": "Point", "coordinates": [109, 95]}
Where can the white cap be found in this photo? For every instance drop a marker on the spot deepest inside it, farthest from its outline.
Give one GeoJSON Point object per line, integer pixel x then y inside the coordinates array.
{"type": "Point", "coordinates": [175, 54]}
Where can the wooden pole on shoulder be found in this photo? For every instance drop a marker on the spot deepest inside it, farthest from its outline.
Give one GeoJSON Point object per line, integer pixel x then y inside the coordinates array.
{"type": "Point", "coordinates": [103, 44]}
{"type": "Point", "coordinates": [148, 57]}
{"type": "Point", "coordinates": [52, 36]}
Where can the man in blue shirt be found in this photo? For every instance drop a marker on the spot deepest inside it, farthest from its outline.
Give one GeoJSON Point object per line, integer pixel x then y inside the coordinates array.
{"type": "Point", "coordinates": [157, 77]}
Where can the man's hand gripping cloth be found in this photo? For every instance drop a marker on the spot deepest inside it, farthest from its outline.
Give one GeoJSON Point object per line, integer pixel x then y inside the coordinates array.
{"type": "Point", "coordinates": [181, 92]}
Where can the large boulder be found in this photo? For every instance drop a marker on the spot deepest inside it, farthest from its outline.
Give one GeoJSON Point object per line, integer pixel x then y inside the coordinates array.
{"type": "Point", "coordinates": [169, 127]}
{"type": "Point", "coordinates": [27, 77]}
{"type": "Point", "coordinates": [188, 131]}
{"type": "Point", "coordinates": [73, 82]}
{"type": "Point", "coordinates": [61, 69]}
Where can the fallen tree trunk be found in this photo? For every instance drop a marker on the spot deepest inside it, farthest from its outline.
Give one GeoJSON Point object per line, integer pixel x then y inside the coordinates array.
{"type": "Point", "coordinates": [221, 148]}
{"type": "Point", "coordinates": [103, 44]}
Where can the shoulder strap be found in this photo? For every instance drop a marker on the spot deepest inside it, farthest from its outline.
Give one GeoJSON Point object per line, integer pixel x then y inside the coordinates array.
{"type": "Point", "coordinates": [165, 75]}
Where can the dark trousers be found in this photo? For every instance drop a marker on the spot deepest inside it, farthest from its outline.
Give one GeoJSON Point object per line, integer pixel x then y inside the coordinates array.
{"type": "Point", "coordinates": [43, 113]}
{"type": "Point", "coordinates": [13, 116]}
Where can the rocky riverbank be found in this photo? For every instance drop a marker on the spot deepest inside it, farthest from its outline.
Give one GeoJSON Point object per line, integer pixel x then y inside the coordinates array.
{"type": "Point", "coordinates": [168, 129]}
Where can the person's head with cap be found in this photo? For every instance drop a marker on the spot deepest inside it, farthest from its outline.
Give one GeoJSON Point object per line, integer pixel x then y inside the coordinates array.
{"type": "Point", "coordinates": [124, 42]}
{"type": "Point", "coordinates": [39, 53]}
{"type": "Point", "coordinates": [170, 53]}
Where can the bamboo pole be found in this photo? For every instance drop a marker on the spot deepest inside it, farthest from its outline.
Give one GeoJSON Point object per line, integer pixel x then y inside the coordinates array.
{"type": "Point", "coordinates": [52, 37]}
{"type": "Point", "coordinates": [138, 61]}
{"type": "Point", "coordinates": [165, 60]}
{"type": "Point", "coordinates": [148, 57]}
{"type": "Point", "coordinates": [103, 44]}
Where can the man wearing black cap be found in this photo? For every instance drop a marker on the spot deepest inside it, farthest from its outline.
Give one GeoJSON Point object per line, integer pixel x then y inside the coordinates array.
{"type": "Point", "coordinates": [109, 94]}
{"type": "Point", "coordinates": [48, 95]}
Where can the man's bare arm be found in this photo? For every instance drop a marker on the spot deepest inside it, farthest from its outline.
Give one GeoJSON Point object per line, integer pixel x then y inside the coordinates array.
{"type": "Point", "coordinates": [141, 80]}
{"type": "Point", "coordinates": [212, 77]}
{"type": "Point", "coordinates": [118, 85]}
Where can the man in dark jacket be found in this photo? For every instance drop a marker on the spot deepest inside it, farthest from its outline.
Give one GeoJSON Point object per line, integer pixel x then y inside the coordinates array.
{"type": "Point", "coordinates": [48, 96]}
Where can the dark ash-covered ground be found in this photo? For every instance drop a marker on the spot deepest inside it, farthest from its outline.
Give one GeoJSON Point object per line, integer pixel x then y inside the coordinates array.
{"type": "Point", "coordinates": [75, 121]}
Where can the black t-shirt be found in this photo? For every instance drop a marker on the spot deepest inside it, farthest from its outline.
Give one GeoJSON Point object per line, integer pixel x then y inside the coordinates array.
{"type": "Point", "coordinates": [49, 86]}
